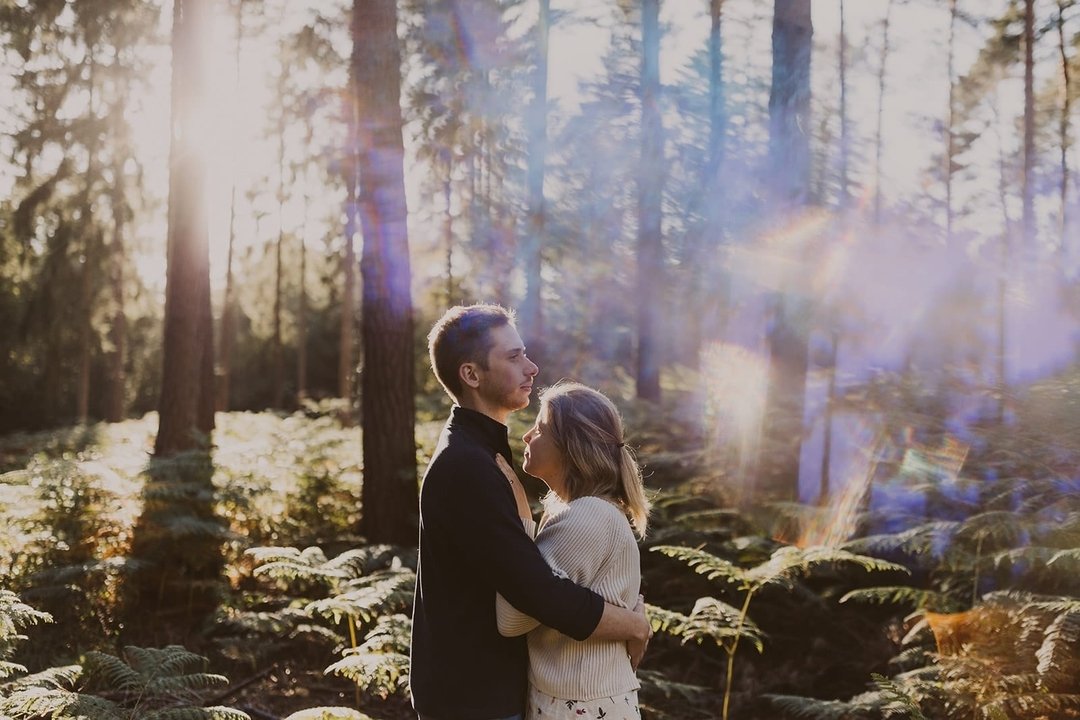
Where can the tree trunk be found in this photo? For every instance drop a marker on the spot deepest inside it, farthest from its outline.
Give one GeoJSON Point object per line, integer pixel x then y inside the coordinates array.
{"type": "Point", "coordinates": [301, 315]}
{"type": "Point", "coordinates": [950, 130]}
{"type": "Point", "coordinates": [789, 181]}
{"type": "Point", "coordinates": [878, 145]}
{"type": "Point", "coordinates": [845, 138]}
{"type": "Point", "coordinates": [650, 258]}
{"type": "Point", "coordinates": [228, 310]}
{"type": "Point", "coordinates": [448, 226]}
{"type": "Point", "coordinates": [277, 351]}
{"type": "Point", "coordinates": [346, 365]}
{"type": "Point", "coordinates": [115, 406]}
{"type": "Point", "coordinates": [388, 379]}
{"type": "Point", "coordinates": [532, 308]}
{"type": "Point", "coordinates": [91, 241]}
{"type": "Point", "coordinates": [187, 284]}
{"type": "Point", "coordinates": [1063, 129]}
{"type": "Point", "coordinates": [1028, 181]}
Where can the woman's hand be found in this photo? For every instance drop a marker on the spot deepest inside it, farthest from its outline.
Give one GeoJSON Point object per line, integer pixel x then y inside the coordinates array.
{"type": "Point", "coordinates": [522, 500]}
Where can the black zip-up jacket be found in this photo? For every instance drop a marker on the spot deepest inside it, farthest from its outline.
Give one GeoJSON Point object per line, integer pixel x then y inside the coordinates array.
{"type": "Point", "coordinates": [472, 545]}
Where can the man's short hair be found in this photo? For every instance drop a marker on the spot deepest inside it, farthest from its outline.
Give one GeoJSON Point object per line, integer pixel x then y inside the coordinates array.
{"type": "Point", "coordinates": [463, 334]}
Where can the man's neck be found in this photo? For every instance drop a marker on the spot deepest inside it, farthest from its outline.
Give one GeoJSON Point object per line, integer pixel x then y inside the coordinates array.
{"type": "Point", "coordinates": [499, 415]}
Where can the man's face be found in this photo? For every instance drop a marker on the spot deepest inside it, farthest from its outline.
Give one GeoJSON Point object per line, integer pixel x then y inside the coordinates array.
{"type": "Point", "coordinates": [507, 382]}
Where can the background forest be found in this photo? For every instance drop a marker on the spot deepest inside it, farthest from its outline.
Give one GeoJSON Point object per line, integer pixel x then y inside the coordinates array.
{"type": "Point", "coordinates": [824, 254]}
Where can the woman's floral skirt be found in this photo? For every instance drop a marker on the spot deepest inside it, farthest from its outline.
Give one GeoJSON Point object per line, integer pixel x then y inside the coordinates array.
{"type": "Point", "coordinates": [545, 707]}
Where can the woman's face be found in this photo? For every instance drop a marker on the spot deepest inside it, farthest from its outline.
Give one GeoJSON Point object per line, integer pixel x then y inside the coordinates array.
{"type": "Point", "coordinates": [543, 459]}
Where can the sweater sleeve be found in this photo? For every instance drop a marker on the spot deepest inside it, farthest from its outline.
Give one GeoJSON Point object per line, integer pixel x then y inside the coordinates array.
{"type": "Point", "coordinates": [578, 542]}
{"type": "Point", "coordinates": [492, 537]}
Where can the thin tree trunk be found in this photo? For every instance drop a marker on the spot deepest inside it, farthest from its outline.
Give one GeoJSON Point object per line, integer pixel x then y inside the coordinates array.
{"type": "Point", "coordinates": [532, 309]}
{"type": "Point", "coordinates": [650, 260]}
{"type": "Point", "coordinates": [91, 241]}
{"type": "Point", "coordinates": [950, 131]}
{"type": "Point", "coordinates": [389, 448]}
{"type": "Point", "coordinates": [878, 144]}
{"type": "Point", "coordinates": [301, 316]}
{"type": "Point", "coordinates": [228, 306]}
{"type": "Point", "coordinates": [277, 351]}
{"type": "Point", "coordinates": [789, 181]}
{"type": "Point", "coordinates": [845, 138]}
{"type": "Point", "coordinates": [1028, 182]}
{"type": "Point", "coordinates": [346, 365]}
{"type": "Point", "coordinates": [187, 282]}
{"type": "Point", "coordinates": [448, 227]}
{"type": "Point", "coordinates": [1063, 129]}
{"type": "Point", "coordinates": [115, 408]}
{"type": "Point", "coordinates": [827, 420]}
{"type": "Point", "coordinates": [1003, 270]}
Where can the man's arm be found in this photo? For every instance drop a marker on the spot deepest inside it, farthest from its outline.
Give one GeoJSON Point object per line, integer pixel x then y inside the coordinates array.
{"type": "Point", "coordinates": [491, 536]}
{"type": "Point", "coordinates": [619, 623]}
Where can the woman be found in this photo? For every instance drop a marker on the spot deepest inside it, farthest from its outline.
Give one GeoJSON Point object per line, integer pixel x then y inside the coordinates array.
{"type": "Point", "coordinates": [596, 503]}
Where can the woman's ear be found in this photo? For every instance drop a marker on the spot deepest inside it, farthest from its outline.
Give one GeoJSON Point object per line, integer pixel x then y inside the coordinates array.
{"type": "Point", "coordinates": [469, 376]}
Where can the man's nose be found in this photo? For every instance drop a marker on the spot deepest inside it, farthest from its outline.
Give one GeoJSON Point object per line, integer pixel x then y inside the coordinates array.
{"type": "Point", "coordinates": [533, 368]}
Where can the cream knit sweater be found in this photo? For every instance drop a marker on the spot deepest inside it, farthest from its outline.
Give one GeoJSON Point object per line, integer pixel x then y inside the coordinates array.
{"type": "Point", "coordinates": [590, 541]}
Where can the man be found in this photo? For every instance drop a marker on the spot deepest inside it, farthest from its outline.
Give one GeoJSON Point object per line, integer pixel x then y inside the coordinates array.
{"type": "Point", "coordinates": [473, 545]}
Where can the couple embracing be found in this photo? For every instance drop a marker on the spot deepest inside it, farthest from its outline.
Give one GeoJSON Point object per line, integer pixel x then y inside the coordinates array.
{"type": "Point", "coordinates": [510, 623]}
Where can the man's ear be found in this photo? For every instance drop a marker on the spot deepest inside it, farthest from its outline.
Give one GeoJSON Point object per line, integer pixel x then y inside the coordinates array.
{"type": "Point", "coordinates": [469, 376]}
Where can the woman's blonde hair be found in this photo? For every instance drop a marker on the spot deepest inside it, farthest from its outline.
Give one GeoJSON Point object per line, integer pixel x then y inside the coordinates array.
{"type": "Point", "coordinates": [586, 427]}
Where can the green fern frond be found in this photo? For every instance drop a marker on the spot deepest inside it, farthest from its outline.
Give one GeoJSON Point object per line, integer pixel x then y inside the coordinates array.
{"type": "Point", "coordinates": [56, 678]}
{"type": "Point", "coordinates": [190, 684]}
{"type": "Point", "coordinates": [1032, 555]}
{"type": "Point", "coordinates": [7, 669]}
{"type": "Point", "coordinates": [202, 713]}
{"type": "Point", "coordinates": [16, 615]}
{"type": "Point", "coordinates": [1060, 642]}
{"type": "Point", "coordinates": [655, 683]}
{"type": "Point", "coordinates": [900, 700]}
{"type": "Point", "coordinates": [368, 598]}
{"type": "Point", "coordinates": [44, 702]}
{"type": "Point", "coordinates": [391, 634]}
{"type": "Point", "coordinates": [380, 673]}
{"type": "Point", "coordinates": [900, 595]}
{"type": "Point", "coordinates": [666, 621]}
{"type": "Point", "coordinates": [116, 673]}
{"type": "Point", "coordinates": [929, 539]}
{"type": "Point", "coordinates": [998, 526]}
{"type": "Point", "coordinates": [717, 621]}
{"type": "Point", "coordinates": [1069, 558]}
{"type": "Point", "coordinates": [803, 708]}
{"type": "Point", "coordinates": [704, 563]}
{"type": "Point", "coordinates": [329, 713]}
{"type": "Point", "coordinates": [366, 560]}
{"type": "Point", "coordinates": [812, 557]}
{"type": "Point", "coordinates": [169, 660]}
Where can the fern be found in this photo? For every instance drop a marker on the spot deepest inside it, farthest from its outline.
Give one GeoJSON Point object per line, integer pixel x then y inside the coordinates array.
{"type": "Point", "coordinates": [203, 713]}
{"type": "Point", "coordinates": [329, 713]}
{"type": "Point", "coordinates": [899, 699]}
{"type": "Point", "coordinates": [381, 663]}
{"type": "Point", "coordinates": [56, 678]}
{"type": "Point", "coordinates": [900, 595]}
{"type": "Point", "coordinates": [803, 708]}
{"type": "Point", "coordinates": [367, 598]}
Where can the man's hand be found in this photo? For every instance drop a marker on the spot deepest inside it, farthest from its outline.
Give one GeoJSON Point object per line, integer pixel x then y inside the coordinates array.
{"type": "Point", "coordinates": [524, 511]}
{"type": "Point", "coordinates": [636, 648]}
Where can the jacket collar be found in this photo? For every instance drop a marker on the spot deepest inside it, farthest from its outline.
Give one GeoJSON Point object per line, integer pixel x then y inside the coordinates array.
{"type": "Point", "coordinates": [491, 433]}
